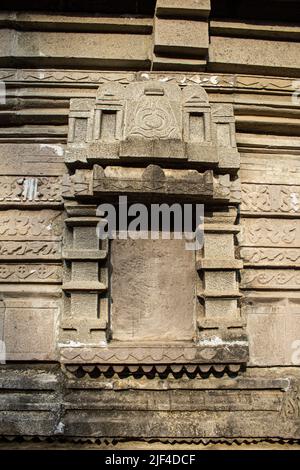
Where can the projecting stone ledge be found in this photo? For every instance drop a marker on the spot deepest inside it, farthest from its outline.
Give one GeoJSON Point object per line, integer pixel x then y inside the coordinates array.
{"type": "Point", "coordinates": [208, 351]}
{"type": "Point", "coordinates": [188, 8]}
{"type": "Point", "coordinates": [150, 182]}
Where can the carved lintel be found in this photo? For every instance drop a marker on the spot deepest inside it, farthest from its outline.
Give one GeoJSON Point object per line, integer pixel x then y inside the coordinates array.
{"type": "Point", "coordinates": [151, 181]}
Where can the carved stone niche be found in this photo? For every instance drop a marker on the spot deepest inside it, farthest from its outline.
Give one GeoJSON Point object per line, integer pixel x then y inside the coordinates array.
{"type": "Point", "coordinates": [152, 120]}
{"type": "Point", "coordinates": [147, 304]}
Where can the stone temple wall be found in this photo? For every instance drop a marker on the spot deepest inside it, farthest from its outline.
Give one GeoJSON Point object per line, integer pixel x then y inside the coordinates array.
{"type": "Point", "coordinates": [144, 340]}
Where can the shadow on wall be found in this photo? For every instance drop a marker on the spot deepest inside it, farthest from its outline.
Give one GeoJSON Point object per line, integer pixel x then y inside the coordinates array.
{"type": "Point", "coordinates": [114, 7]}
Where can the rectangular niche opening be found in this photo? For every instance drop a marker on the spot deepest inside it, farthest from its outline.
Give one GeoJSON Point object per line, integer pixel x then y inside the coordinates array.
{"type": "Point", "coordinates": [196, 127]}
{"type": "Point", "coordinates": [80, 130]}
{"type": "Point", "coordinates": [153, 291]}
{"type": "Point", "coordinates": [108, 126]}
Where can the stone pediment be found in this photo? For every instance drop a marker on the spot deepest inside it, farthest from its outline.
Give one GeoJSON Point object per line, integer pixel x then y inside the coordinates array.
{"type": "Point", "coordinates": [151, 120]}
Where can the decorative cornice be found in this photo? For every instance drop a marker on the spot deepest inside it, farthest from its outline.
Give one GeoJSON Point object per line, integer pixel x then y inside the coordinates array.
{"type": "Point", "coordinates": [207, 80]}
{"type": "Point", "coordinates": [191, 370]}
{"type": "Point", "coordinates": [235, 351]}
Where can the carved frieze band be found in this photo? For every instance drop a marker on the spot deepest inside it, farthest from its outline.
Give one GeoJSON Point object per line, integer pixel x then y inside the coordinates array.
{"type": "Point", "coordinates": [161, 370]}
{"type": "Point", "coordinates": [26, 250]}
{"type": "Point", "coordinates": [203, 79]}
{"type": "Point", "coordinates": [270, 279]}
{"type": "Point", "coordinates": [31, 225]}
{"type": "Point", "coordinates": [270, 257]}
{"type": "Point", "coordinates": [29, 191]}
{"type": "Point", "coordinates": [270, 242]}
{"type": "Point", "coordinates": [234, 352]}
{"type": "Point", "coordinates": [152, 180]}
{"type": "Point", "coordinates": [48, 273]}
{"type": "Point", "coordinates": [262, 232]}
{"type": "Point", "coordinates": [270, 199]}
{"type": "Point", "coordinates": [26, 235]}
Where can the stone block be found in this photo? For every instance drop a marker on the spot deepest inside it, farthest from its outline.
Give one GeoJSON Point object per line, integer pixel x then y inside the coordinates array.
{"type": "Point", "coordinates": [48, 22]}
{"type": "Point", "coordinates": [259, 168]}
{"type": "Point", "coordinates": [75, 49]}
{"type": "Point", "coordinates": [184, 37]}
{"type": "Point", "coordinates": [178, 63]}
{"type": "Point", "coordinates": [254, 29]}
{"type": "Point", "coordinates": [188, 8]}
{"type": "Point", "coordinates": [222, 244]}
{"type": "Point", "coordinates": [273, 326]}
{"type": "Point", "coordinates": [32, 159]}
{"type": "Point", "coordinates": [254, 56]}
{"type": "Point", "coordinates": [220, 282]}
{"type": "Point", "coordinates": [30, 329]}
{"type": "Point", "coordinates": [221, 308]}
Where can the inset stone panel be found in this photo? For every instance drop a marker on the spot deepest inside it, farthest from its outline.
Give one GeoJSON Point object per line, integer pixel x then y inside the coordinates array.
{"type": "Point", "coordinates": [153, 291]}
